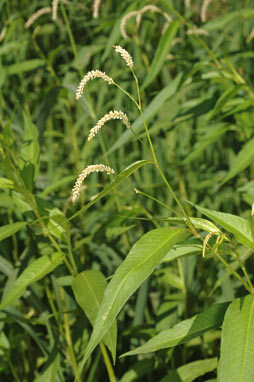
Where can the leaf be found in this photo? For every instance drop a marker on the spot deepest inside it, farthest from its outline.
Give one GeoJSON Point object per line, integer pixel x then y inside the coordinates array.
{"type": "Point", "coordinates": [191, 371]}
{"type": "Point", "coordinates": [58, 224]}
{"type": "Point", "coordinates": [149, 112]}
{"type": "Point", "coordinates": [138, 370]}
{"type": "Point", "coordinates": [185, 248]}
{"type": "Point", "coordinates": [212, 135]}
{"type": "Point", "coordinates": [243, 159]}
{"type": "Point", "coordinates": [25, 66]}
{"type": "Point", "coordinates": [136, 268]}
{"type": "Point", "coordinates": [224, 98]}
{"type": "Point", "coordinates": [202, 224]}
{"type": "Point", "coordinates": [10, 229]}
{"type": "Point", "coordinates": [30, 151]}
{"type": "Point", "coordinates": [119, 179]}
{"type": "Point", "coordinates": [239, 227]}
{"type": "Point", "coordinates": [237, 344]}
{"type": "Point", "coordinates": [222, 21]}
{"type": "Point", "coordinates": [34, 272]}
{"type": "Point", "coordinates": [6, 183]}
{"type": "Point", "coordinates": [161, 52]}
{"type": "Point", "coordinates": [184, 331]}
{"type": "Point", "coordinates": [89, 288]}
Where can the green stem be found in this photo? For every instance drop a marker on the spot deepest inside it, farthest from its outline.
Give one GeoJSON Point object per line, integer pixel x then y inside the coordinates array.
{"type": "Point", "coordinates": [111, 374]}
{"type": "Point", "coordinates": [231, 270]}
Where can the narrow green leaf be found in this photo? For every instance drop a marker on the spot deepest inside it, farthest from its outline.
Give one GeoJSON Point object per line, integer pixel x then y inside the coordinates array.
{"type": "Point", "coordinates": [224, 98]}
{"type": "Point", "coordinates": [119, 179]}
{"type": "Point", "coordinates": [144, 256]}
{"type": "Point", "coordinates": [138, 370]}
{"type": "Point", "coordinates": [10, 229]}
{"type": "Point", "coordinates": [191, 371]}
{"type": "Point", "coordinates": [184, 331]}
{"type": "Point", "coordinates": [212, 135]}
{"type": "Point", "coordinates": [89, 288]}
{"type": "Point", "coordinates": [30, 151]}
{"type": "Point", "coordinates": [149, 112]}
{"type": "Point", "coordinates": [25, 66]}
{"type": "Point", "coordinates": [6, 183]}
{"type": "Point", "coordinates": [239, 227]}
{"type": "Point", "coordinates": [243, 159]}
{"type": "Point", "coordinates": [34, 272]}
{"type": "Point", "coordinates": [161, 52]}
{"type": "Point", "coordinates": [50, 371]}
{"type": "Point", "coordinates": [222, 21]}
{"type": "Point", "coordinates": [237, 344]}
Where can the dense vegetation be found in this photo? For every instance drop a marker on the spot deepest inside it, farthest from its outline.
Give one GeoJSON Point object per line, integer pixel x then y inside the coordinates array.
{"type": "Point", "coordinates": [171, 231]}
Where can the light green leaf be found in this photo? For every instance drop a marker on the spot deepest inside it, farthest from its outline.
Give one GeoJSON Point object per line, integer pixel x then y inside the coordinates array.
{"type": "Point", "coordinates": [243, 159]}
{"type": "Point", "coordinates": [161, 52]}
{"type": "Point", "coordinates": [6, 183]}
{"type": "Point", "coordinates": [30, 151]}
{"type": "Point", "coordinates": [58, 224]}
{"type": "Point", "coordinates": [184, 331]}
{"type": "Point", "coordinates": [191, 371]}
{"type": "Point", "coordinates": [138, 370]}
{"type": "Point", "coordinates": [34, 272]}
{"type": "Point", "coordinates": [202, 224]}
{"type": "Point", "coordinates": [237, 345]}
{"type": "Point", "coordinates": [185, 248]}
{"type": "Point", "coordinates": [89, 288]}
{"type": "Point", "coordinates": [239, 227]}
{"type": "Point", "coordinates": [119, 179]}
{"type": "Point", "coordinates": [222, 21]}
{"type": "Point", "coordinates": [144, 256]}
{"type": "Point", "coordinates": [10, 229]}
{"type": "Point", "coordinates": [50, 371]}
{"type": "Point", "coordinates": [150, 111]}
{"type": "Point", "coordinates": [25, 66]}
{"type": "Point", "coordinates": [211, 136]}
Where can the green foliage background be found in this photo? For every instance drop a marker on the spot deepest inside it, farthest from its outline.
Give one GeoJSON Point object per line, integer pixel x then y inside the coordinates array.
{"type": "Point", "coordinates": [198, 100]}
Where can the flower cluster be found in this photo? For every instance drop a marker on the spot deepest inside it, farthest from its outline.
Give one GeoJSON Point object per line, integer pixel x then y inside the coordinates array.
{"type": "Point", "coordinates": [91, 76]}
{"type": "Point", "coordinates": [116, 114]}
{"type": "Point", "coordinates": [83, 175]}
{"type": "Point", "coordinates": [36, 15]}
{"type": "Point", "coordinates": [111, 115]}
{"type": "Point", "coordinates": [125, 55]}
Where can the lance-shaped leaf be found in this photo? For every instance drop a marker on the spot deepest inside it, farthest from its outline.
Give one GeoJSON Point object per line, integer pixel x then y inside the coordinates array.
{"type": "Point", "coordinates": [239, 227]}
{"type": "Point", "coordinates": [243, 159]}
{"type": "Point", "coordinates": [144, 256]}
{"type": "Point", "coordinates": [185, 330]}
{"type": "Point", "coordinates": [161, 52]}
{"type": "Point", "coordinates": [191, 371]}
{"type": "Point", "coordinates": [34, 272]}
{"type": "Point", "coordinates": [237, 345]}
{"type": "Point", "coordinates": [10, 229]}
{"type": "Point", "coordinates": [119, 179]}
{"type": "Point", "coordinates": [89, 288]}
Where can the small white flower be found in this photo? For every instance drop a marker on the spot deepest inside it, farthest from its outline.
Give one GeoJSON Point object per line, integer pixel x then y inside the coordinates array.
{"type": "Point", "coordinates": [90, 76]}
{"type": "Point", "coordinates": [111, 115]}
{"type": "Point", "coordinates": [125, 55]}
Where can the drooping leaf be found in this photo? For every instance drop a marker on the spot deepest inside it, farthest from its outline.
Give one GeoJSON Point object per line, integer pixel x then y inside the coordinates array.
{"type": "Point", "coordinates": [237, 344]}
{"type": "Point", "coordinates": [239, 227]}
{"type": "Point", "coordinates": [89, 287]}
{"type": "Point", "coordinates": [34, 272]}
{"type": "Point", "coordinates": [10, 229]}
{"type": "Point", "coordinates": [161, 52]}
{"type": "Point", "coordinates": [137, 266]}
{"type": "Point", "coordinates": [184, 331]}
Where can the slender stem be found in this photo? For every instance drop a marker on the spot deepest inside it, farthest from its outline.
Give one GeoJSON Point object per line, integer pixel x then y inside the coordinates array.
{"type": "Point", "coordinates": [231, 270]}
{"type": "Point", "coordinates": [111, 374]}
{"type": "Point", "coordinates": [68, 339]}
{"type": "Point", "coordinates": [138, 191]}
